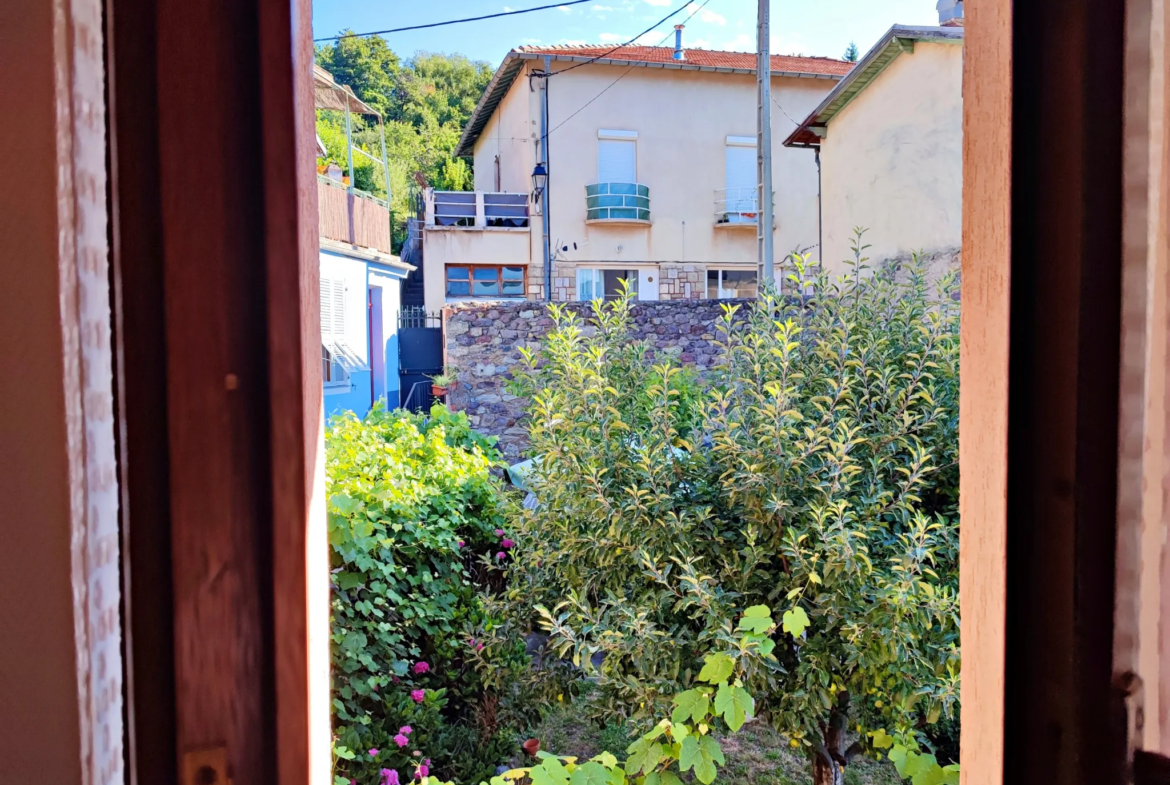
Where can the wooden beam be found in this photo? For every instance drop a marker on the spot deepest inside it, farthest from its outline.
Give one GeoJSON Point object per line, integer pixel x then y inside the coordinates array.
{"type": "Point", "coordinates": [983, 412]}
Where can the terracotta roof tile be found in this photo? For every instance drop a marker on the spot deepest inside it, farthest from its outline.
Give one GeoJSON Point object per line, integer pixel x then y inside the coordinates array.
{"type": "Point", "coordinates": [699, 57]}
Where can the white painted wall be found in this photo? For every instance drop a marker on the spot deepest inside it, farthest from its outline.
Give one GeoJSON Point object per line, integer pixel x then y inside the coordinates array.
{"type": "Point", "coordinates": [893, 159]}
{"type": "Point", "coordinates": [683, 119]}
{"type": "Point", "coordinates": [353, 273]}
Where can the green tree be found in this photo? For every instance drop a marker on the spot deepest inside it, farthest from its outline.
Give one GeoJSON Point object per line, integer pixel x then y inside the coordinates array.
{"type": "Point", "coordinates": [425, 101]}
{"type": "Point", "coordinates": [822, 479]}
{"type": "Point", "coordinates": [851, 54]}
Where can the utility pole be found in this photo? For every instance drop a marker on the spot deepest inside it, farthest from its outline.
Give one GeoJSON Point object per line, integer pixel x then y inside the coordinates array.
{"type": "Point", "coordinates": [544, 195]}
{"type": "Point", "coordinates": [764, 142]}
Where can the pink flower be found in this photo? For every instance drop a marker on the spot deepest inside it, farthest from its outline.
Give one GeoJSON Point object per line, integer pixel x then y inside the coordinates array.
{"type": "Point", "coordinates": [406, 730]}
{"type": "Point", "coordinates": [389, 777]}
{"type": "Point", "coordinates": [401, 740]}
{"type": "Point", "coordinates": [501, 555]}
{"type": "Point", "coordinates": [479, 647]}
{"type": "Point", "coordinates": [418, 696]}
{"type": "Point", "coordinates": [499, 532]}
{"type": "Point", "coordinates": [421, 667]}
{"type": "Point", "coordinates": [423, 771]}
{"type": "Point", "coordinates": [373, 753]}
{"type": "Point", "coordinates": [461, 543]}
{"type": "Point", "coordinates": [506, 544]}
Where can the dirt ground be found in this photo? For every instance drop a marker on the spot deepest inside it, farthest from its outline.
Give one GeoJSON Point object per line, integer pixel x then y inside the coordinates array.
{"type": "Point", "coordinates": [757, 755]}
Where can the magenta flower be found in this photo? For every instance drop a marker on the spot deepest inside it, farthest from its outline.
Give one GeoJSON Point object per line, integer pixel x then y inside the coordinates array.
{"type": "Point", "coordinates": [499, 532]}
{"type": "Point", "coordinates": [501, 555]}
{"type": "Point", "coordinates": [423, 771]}
{"type": "Point", "coordinates": [421, 667]}
{"type": "Point", "coordinates": [479, 647]}
{"type": "Point", "coordinates": [506, 544]}
{"type": "Point", "coordinates": [418, 695]}
{"type": "Point", "coordinates": [389, 777]}
{"type": "Point", "coordinates": [373, 753]}
{"type": "Point", "coordinates": [461, 543]}
{"type": "Point", "coordinates": [406, 730]}
{"type": "Point", "coordinates": [401, 740]}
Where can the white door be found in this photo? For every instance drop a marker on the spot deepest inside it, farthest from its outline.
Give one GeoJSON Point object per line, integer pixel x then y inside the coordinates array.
{"type": "Point", "coordinates": [648, 284]}
{"type": "Point", "coordinates": [617, 161]}
{"type": "Point", "coordinates": [741, 194]}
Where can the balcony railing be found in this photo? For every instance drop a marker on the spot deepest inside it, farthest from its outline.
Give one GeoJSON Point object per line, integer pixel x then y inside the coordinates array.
{"type": "Point", "coordinates": [351, 216]}
{"type": "Point", "coordinates": [737, 206]}
{"type": "Point", "coordinates": [476, 209]}
{"type": "Point", "coordinates": [619, 202]}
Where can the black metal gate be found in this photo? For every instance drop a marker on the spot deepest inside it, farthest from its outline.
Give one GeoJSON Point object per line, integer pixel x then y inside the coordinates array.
{"type": "Point", "coordinates": [420, 356]}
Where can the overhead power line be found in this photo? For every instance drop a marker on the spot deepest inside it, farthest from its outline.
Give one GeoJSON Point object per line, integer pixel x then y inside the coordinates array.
{"type": "Point", "coordinates": [452, 21]}
{"type": "Point", "coordinates": [678, 10]}
{"type": "Point", "coordinates": [627, 71]}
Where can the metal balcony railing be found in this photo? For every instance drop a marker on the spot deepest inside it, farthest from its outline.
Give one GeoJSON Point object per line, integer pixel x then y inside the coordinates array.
{"type": "Point", "coordinates": [737, 206]}
{"type": "Point", "coordinates": [617, 202]}
{"type": "Point", "coordinates": [477, 209]}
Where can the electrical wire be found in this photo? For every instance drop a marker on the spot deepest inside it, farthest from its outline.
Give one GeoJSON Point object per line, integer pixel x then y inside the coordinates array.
{"type": "Point", "coordinates": [627, 71]}
{"type": "Point", "coordinates": [452, 21]}
{"type": "Point", "coordinates": [649, 29]}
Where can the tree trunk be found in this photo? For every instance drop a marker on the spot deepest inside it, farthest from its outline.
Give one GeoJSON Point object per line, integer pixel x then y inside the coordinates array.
{"type": "Point", "coordinates": [831, 757]}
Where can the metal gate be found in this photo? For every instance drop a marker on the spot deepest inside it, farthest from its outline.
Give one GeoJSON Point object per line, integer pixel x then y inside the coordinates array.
{"type": "Point", "coordinates": [420, 356]}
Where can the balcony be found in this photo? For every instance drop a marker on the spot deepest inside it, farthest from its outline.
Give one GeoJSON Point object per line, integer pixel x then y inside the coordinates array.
{"type": "Point", "coordinates": [350, 216]}
{"type": "Point", "coordinates": [737, 207]}
{"type": "Point", "coordinates": [618, 203]}
{"type": "Point", "coordinates": [476, 210]}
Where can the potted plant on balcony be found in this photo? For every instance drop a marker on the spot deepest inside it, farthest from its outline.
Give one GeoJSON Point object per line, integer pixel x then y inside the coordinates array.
{"type": "Point", "coordinates": [442, 382]}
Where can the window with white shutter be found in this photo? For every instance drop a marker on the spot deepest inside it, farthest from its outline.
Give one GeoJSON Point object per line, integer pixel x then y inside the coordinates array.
{"type": "Point", "coordinates": [617, 160]}
{"type": "Point", "coordinates": [333, 348]}
{"type": "Point", "coordinates": [739, 202]}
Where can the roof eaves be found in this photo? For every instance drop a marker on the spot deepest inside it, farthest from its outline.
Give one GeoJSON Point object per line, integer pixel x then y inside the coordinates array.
{"type": "Point", "coordinates": [497, 88]}
{"type": "Point", "coordinates": [898, 39]}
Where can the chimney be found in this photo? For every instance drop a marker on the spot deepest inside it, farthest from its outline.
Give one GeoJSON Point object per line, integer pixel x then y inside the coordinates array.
{"type": "Point", "coordinates": [950, 13]}
{"type": "Point", "coordinates": [678, 50]}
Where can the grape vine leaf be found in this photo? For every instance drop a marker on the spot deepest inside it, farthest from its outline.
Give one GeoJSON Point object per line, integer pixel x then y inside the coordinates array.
{"type": "Point", "coordinates": [716, 668]}
{"type": "Point", "coordinates": [691, 704]}
{"type": "Point", "coordinates": [795, 621]}
{"type": "Point", "coordinates": [734, 704]}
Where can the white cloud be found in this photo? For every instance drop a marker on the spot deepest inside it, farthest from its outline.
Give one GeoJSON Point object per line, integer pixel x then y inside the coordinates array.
{"type": "Point", "coordinates": [602, 8]}
{"type": "Point", "coordinates": [741, 43]}
{"type": "Point", "coordinates": [565, 8]}
{"type": "Point", "coordinates": [573, 42]}
{"type": "Point", "coordinates": [530, 40]}
{"type": "Point", "coordinates": [698, 43]}
{"type": "Point", "coordinates": [653, 38]}
{"type": "Point", "coordinates": [707, 16]}
{"type": "Point", "coordinates": [658, 2]}
{"type": "Point", "coordinates": [612, 38]}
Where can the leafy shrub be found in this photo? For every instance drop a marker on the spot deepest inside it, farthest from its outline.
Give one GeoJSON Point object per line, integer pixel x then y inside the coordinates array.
{"type": "Point", "coordinates": [413, 516]}
{"type": "Point", "coordinates": [822, 475]}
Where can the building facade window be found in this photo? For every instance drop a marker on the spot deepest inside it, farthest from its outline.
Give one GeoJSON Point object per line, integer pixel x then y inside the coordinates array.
{"type": "Point", "coordinates": [593, 284]}
{"type": "Point", "coordinates": [489, 281]}
{"type": "Point", "coordinates": [333, 371]}
{"type": "Point", "coordinates": [727, 284]}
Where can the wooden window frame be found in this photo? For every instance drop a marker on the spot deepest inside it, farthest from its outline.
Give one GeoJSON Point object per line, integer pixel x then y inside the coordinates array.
{"type": "Point", "coordinates": [221, 456]}
{"type": "Point", "coordinates": [471, 268]}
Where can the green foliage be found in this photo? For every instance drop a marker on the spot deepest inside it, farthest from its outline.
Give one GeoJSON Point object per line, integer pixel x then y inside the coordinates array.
{"type": "Point", "coordinates": [818, 471]}
{"type": "Point", "coordinates": [685, 741]}
{"type": "Point", "coordinates": [851, 54]}
{"type": "Point", "coordinates": [425, 101]}
{"type": "Point", "coordinates": [413, 512]}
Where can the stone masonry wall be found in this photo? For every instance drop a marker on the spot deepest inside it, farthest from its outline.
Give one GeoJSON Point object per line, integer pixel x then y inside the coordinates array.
{"type": "Point", "coordinates": [483, 343]}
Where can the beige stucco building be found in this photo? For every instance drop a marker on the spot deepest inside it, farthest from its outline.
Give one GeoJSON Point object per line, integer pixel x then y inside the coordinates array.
{"type": "Point", "coordinates": [890, 142]}
{"type": "Point", "coordinates": [652, 176]}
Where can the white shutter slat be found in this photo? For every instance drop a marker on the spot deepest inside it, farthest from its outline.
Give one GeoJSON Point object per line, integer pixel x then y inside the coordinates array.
{"type": "Point", "coordinates": [741, 178]}
{"type": "Point", "coordinates": [326, 309]}
{"type": "Point", "coordinates": [617, 161]}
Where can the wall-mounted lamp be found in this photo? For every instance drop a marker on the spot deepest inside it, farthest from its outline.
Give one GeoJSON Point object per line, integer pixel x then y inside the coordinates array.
{"type": "Point", "coordinates": [539, 181]}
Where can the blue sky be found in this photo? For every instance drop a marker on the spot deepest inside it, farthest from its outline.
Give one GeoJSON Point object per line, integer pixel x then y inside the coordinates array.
{"type": "Point", "coordinates": [812, 27]}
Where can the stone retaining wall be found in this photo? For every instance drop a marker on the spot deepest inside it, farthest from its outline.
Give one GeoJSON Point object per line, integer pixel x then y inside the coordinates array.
{"type": "Point", "coordinates": [483, 343]}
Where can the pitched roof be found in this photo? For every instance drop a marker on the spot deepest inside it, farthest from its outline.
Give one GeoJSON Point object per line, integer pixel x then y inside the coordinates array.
{"type": "Point", "coordinates": [647, 55]}
{"type": "Point", "coordinates": [899, 39]}
{"type": "Point", "coordinates": [644, 56]}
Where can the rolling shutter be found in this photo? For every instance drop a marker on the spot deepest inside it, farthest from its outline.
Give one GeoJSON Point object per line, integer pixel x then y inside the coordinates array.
{"type": "Point", "coordinates": [741, 167]}
{"type": "Point", "coordinates": [617, 161]}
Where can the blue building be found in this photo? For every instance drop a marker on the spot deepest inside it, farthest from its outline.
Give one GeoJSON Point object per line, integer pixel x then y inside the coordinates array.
{"type": "Point", "coordinates": [360, 304]}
